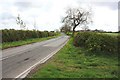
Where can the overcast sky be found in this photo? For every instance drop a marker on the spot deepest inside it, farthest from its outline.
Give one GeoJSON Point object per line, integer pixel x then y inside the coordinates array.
{"type": "Point", "coordinates": [48, 13]}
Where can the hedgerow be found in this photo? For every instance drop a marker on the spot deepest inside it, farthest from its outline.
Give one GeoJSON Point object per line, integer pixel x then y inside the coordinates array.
{"type": "Point", "coordinates": [97, 42]}
{"type": "Point", "coordinates": [10, 35]}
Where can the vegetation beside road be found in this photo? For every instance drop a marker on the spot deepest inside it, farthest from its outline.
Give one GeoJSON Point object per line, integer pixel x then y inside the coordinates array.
{"type": "Point", "coordinates": [95, 42]}
{"type": "Point", "coordinates": [11, 35]}
{"type": "Point", "coordinates": [77, 62]}
{"type": "Point", "coordinates": [26, 41]}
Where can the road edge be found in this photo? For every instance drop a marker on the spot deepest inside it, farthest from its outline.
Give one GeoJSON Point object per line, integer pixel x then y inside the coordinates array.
{"type": "Point", "coordinates": [25, 73]}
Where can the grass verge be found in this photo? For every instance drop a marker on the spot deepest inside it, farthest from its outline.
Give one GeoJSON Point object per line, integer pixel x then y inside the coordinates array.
{"type": "Point", "coordinates": [24, 42]}
{"type": "Point", "coordinates": [74, 62]}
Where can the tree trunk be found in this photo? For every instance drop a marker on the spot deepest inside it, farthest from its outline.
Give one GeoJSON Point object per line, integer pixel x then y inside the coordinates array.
{"type": "Point", "coordinates": [73, 31]}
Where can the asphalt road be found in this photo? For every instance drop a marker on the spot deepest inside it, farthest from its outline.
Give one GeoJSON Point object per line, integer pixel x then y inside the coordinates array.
{"type": "Point", "coordinates": [17, 61]}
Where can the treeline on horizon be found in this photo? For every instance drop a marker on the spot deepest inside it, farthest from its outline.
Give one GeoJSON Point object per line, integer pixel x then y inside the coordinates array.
{"type": "Point", "coordinates": [10, 35]}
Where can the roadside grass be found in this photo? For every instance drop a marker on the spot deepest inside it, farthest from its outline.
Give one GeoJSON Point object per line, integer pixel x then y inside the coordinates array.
{"type": "Point", "coordinates": [24, 42]}
{"type": "Point", "coordinates": [74, 62]}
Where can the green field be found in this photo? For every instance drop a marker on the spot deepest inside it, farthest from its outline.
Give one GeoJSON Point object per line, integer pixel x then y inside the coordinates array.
{"type": "Point", "coordinates": [112, 34]}
{"type": "Point", "coordinates": [76, 62]}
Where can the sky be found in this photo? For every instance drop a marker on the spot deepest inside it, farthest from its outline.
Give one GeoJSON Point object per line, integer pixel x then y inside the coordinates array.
{"type": "Point", "coordinates": [47, 14]}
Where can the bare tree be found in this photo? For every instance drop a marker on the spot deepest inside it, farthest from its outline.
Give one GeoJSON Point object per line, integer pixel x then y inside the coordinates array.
{"type": "Point", "coordinates": [76, 17]}
{"type": "Point", "coordinates": [20, 22]}
{"type": "Point", "coordinates": [65, 28]}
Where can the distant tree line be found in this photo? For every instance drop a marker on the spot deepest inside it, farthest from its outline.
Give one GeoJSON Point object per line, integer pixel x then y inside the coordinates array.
{"type": "Point", "coordinates": [65, 28]}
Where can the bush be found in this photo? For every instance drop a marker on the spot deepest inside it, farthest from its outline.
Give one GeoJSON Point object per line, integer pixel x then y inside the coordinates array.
{"type": "Point", "coordinates": [118, 43]}
{"type": "Point", "coordinates": [96, 42]}
{"type": "Point", "coordinates": [80, 38]}
{"type": "Point", "coordinates": [16, 35]}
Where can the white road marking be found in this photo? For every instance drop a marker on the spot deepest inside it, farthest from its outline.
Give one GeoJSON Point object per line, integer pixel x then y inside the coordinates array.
{"type": "Point", "coordinates": [24, 74]}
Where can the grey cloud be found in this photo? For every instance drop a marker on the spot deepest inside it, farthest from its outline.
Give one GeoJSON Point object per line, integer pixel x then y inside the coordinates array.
{"type": "Point", "coordinates": [6, 16]}
{"type": "Point", "coordinates": [23, 5]}
{"type": "Point", "coordinates": [111, 5]}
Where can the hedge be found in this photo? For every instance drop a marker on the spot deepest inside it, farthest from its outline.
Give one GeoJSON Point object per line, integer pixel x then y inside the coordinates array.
{"type": "Point", "coordinates": [97, 42]}
{"type": "Point", "coordinates": [10, 35]}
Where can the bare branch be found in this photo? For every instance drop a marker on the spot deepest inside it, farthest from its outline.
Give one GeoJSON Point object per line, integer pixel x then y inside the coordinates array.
{"type": "Point", "coordinates": [20, 22]}
{"type": "Point", "coordinates": [76, 16]}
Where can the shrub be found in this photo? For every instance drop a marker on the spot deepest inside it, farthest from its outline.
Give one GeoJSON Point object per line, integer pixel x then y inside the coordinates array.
{"type": "Point", "coordinates": [118, 37]}
{"type": "Point", "coordinates": [96, 42]}
{"type": "Point", "coordinates": [16, 35]}
{"type": "Point", "coordinates": [80, 39]}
